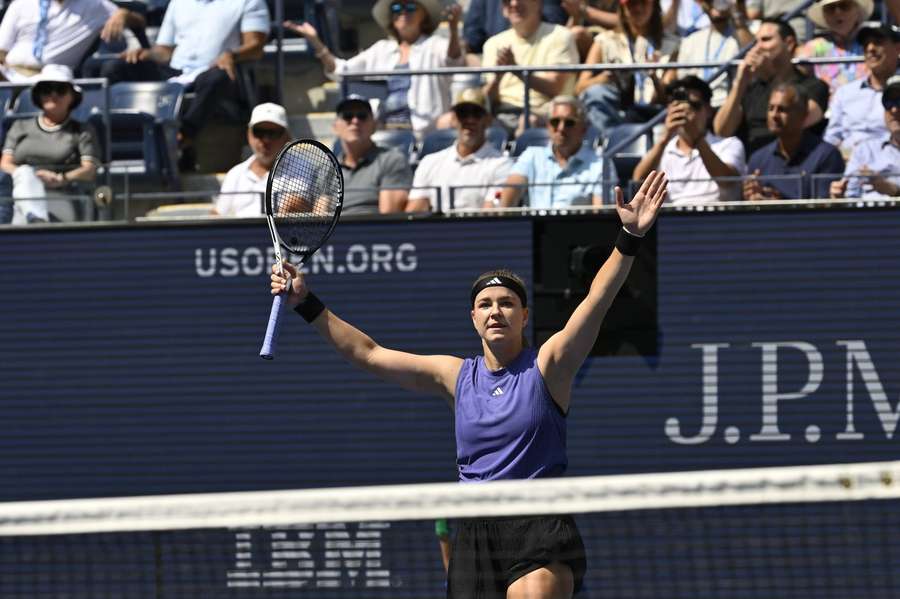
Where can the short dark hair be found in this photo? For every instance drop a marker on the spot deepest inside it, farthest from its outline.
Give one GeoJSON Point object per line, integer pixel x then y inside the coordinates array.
{"type": "Point", "coordinates": [800, 95]}
{"type": "Point", "coordinates": [690, 83]}
{"type": "Point", "coordinates": [784, 28]}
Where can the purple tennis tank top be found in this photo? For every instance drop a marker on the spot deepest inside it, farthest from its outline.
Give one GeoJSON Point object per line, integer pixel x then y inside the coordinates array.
{"type": "Point", "coordinates": [507, 424]}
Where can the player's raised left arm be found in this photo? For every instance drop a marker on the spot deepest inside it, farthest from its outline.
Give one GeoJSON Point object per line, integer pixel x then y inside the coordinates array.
{"type": "Point", "coordinates": [563, 354]}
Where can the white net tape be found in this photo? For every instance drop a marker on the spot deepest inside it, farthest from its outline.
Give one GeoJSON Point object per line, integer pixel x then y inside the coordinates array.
{"type": "Point", "coordinates": [833, 482]}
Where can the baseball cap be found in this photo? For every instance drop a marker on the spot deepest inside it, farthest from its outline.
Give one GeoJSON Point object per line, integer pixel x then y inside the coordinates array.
{"type": "Point", "coordinates": [472, 95]}
{"type": "Point", "coordinates": [891, 32]}
{"type": "Point", "coordinates": [269, 113]}
{"type": "Point", "coordinates": [353, 99]}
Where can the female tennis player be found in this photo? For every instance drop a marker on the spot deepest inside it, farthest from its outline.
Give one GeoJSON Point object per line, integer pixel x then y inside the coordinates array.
{"type": "Point", "coordinates": [510, 408]}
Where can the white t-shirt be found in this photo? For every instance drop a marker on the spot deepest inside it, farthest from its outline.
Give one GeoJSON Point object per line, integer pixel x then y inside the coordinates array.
{"type": "Point", "coordinates": [486, 168]}
{"type": "Point", "coordinates": [241, 179]}
{"type": "Point", "coordinates": [72, 27]}
{"type": "Point", "coordinates": [689, 181]}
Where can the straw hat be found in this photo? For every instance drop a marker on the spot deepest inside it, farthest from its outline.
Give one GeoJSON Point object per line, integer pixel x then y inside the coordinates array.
{"type": "Point", "coordinates": [56, 73]}
{"type": "Point", "coordinates": [816, 12]}
{"type": "Point", "coordinates": [381, 12]}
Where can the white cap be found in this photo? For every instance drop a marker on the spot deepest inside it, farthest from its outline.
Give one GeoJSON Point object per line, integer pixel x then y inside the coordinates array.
{"type": "Point", "coordinates": [269, 113]}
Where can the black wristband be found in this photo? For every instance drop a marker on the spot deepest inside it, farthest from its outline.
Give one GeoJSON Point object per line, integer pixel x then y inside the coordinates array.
{"type": "Point", "coordinates": [310, 307]}
{"type": "Point", "coordinates": [628, 244]}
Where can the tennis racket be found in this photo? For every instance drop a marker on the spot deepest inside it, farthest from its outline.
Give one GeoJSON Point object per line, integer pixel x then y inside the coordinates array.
{"type": "Point", "coordinates": [303, 201]}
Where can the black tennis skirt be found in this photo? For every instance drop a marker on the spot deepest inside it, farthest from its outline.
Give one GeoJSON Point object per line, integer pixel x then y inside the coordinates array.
{"type": "Point", "coordinates": [489, 554]}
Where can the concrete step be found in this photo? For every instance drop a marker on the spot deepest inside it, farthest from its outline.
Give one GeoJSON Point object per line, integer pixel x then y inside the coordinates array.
{"type": "Point", "coordinates": [315, 125]}
{"type": "Point", "coordinates": [325, 97]}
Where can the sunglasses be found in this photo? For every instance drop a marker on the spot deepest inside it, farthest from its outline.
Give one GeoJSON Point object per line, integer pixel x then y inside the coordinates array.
{"type": "Point", "coordinates": [567, 123]}
{"type": "Point", "coordinates": [360, 115]}
{"type": "Point", "coordinates": [890, 103]}
{"type": "Point", "coordinates": [469, 112]}
{"type": "Point", "coordinates": [398, 8]}
{"type": "Point", "coordinates": [58, 88]}
{"type": "Point", "coordinates": [267, 133]}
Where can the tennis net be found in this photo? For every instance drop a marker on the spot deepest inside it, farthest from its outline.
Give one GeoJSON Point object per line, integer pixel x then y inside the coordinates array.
{"type": "Point", "coordinates": [812, 531]}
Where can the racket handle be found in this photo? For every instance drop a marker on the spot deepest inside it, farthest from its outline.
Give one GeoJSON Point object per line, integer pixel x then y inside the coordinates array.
{"type": "Point", "coordinates": [268, 348]}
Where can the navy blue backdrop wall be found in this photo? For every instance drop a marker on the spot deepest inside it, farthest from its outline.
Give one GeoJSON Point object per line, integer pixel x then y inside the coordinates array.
{"type": "Point", "coordinates": [128, 356]}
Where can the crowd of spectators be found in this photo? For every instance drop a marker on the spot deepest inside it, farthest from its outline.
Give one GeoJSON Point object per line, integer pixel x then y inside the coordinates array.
{"type": "Point", "coordinates": [768, 129]}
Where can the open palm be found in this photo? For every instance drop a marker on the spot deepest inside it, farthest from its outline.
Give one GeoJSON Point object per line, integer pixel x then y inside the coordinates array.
{"type": "Point", "coordinates": [639, 214]}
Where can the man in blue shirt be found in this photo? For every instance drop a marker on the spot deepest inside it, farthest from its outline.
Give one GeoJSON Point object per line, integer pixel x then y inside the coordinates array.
{"type": "Point", "coordinates": [874, 167]}
{"type": "Point", "coordinates": [565, 173]}
{"type": "Point", "coordinates": [201, 43]}
{"type": "Point", "coordinates": [856, 107]}
{"type": "Point", "coordinates": [791, 166]}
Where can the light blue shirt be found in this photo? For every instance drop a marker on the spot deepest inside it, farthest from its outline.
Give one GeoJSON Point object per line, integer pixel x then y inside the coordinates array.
{"type": "Point", "coordinates": [558, 187]}
{"type": "Point", "coordinates": [880, 156]}
{"type": "Point", "coordinates": [201, 30]}
{"type": "Point", "coordinates": [856, 114]}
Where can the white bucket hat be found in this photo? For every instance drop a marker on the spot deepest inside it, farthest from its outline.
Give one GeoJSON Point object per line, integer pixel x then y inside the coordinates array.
{"type": "Point", "coordinates": [56, 73]}
{"type": "Point", "coordinates": [381, 12]}
{"type": "Point", "coordinates": [816, 12]}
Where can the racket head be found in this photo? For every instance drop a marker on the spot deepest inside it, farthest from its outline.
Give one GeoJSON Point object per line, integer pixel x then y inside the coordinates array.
{"type": "Point", "coordinates": [304, 196]}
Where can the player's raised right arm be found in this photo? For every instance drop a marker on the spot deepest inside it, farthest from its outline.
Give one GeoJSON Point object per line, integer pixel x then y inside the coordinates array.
{"type": "Point", "coordinates": [427, 374]}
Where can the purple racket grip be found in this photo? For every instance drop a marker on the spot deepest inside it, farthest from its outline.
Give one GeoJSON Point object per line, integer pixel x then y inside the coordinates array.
{"type": "Point", "coordinates": [268, 348]}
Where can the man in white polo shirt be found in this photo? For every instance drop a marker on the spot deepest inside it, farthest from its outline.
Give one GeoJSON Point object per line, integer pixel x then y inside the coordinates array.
{"type": "Point", "coordinates": [696, 162]}
{"type": "Point", "coordinates": [471, 163]}
{"type": "Point", "coordinates": [38, 32]}
{"type": "Point", "coordinates": [244, 185]}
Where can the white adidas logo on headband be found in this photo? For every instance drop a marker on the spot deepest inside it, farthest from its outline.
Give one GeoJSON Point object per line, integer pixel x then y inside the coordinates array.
{"type": "Point", "coordinates": [494, 281]}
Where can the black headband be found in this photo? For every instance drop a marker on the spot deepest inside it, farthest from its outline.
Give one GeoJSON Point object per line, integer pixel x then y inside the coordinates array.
{"type": "Point", "coordinates": [499, 281]}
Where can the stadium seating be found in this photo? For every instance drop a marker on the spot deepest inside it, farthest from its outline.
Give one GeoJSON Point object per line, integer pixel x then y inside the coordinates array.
{"type": "Point", "coordinates": [437, 140]}
{"type": "Point", "coordinates": [143, 121]}
{"type": "Point", "coordinates": [627, 157]}
{"type": "Point", "coordinates": [497, 136]}
{"type": "Point", "coordinates": [535, 136]}
{"type": "Point", "coordinates": [592, 137]}
{"type": "Point", "coordinates": [401, 139]}
{"type": "Point", "coordinates": [144, 127]}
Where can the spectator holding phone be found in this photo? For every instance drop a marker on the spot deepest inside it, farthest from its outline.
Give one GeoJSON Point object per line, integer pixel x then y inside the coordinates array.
{"type": "Point", "coordinates": [696, 162]}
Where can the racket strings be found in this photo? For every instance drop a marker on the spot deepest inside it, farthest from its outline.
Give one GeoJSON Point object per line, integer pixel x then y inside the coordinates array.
{"type": "Point", "coordinates": [306, 193]}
